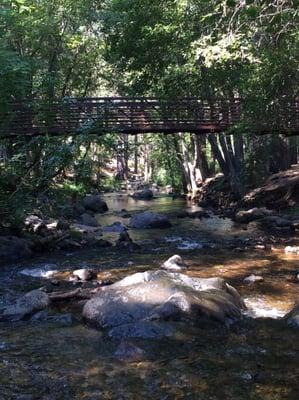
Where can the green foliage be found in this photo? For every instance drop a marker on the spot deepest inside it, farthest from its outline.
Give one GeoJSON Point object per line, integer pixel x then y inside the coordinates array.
{"type": "Point", "coordinates": [14, 77]}
{"type": "Point", "coordinates": [109, 184]}
{"type": "Point", "coordinates": [165, 155]}
{"type": "Point", "coordinates": [171, 48]}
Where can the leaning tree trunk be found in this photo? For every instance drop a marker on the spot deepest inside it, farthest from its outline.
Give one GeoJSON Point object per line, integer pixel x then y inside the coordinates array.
{"type": "Point", "coordinates": [201, 162]}
{"type": "Point", "coordinates": [229, 160]}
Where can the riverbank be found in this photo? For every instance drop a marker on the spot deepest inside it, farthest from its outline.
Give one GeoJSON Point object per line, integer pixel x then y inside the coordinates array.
{"type": "Point", "coordinates": [101, 225]}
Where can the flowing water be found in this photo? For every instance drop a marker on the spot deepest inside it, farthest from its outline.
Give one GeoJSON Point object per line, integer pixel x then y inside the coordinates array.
{"type": "Point", "coordinates": [256, 358]}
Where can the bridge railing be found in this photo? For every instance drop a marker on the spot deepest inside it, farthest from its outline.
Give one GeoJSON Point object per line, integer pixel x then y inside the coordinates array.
{"type": "Point", "coordinates": [134, 115]}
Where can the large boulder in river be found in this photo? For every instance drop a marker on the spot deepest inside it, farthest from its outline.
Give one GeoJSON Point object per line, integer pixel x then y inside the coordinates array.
{"type": "Point", "coordinates": [148, 219]}
{"type": "Point", "coordinates": [26, 305]}
{"type": "Point", "coordinates": [140, 304]}
{"type": "Point", "coordinates": [13, 248]}
{"type": "Point", "coordinates": [145, 194]}
{"type": "Point", "coordinates": [94, 202]}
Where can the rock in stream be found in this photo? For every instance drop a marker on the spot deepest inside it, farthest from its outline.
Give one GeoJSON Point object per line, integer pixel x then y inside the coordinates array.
{"type": "Point", "coordinates": [140, 304]}
{"type": "Point", "coordinates": [148, 219]}
{"type": "Point", "coordinates": [26, 305]}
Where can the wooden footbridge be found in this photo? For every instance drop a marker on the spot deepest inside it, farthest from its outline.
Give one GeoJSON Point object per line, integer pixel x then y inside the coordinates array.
{"type": "Point", "coordinates": [137, 115]}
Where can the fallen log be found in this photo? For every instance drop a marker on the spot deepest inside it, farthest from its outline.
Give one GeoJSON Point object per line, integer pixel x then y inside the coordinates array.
{"type": "Point", "coordinates": [73, 294]}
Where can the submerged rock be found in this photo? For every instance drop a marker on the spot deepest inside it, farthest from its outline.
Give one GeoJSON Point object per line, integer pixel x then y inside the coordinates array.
{"type": "Point", "coordinates": [143, 330]}
{"type": "Point", "coordinates": [94, 202]}
{"type": "Point", "coordinates": [137, 304]}
{"type": "Point", "coordinates": [116, 227]}
{"type": "Point", "coordinates": [145, 194]}
{"type": "Point", "coordinates": [127, 351]}
{"type": "Point", "coordinates": [174, 263]}
{"type": "Point", "coordinates": [148, 219]}
{"type": "Point", "coordinates": [31, 302]}
{"type": "Point", "coordinates": [44, 316]}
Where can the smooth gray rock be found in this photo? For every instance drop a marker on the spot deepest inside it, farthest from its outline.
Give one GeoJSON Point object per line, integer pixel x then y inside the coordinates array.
{"type": "Point", "coordinates": [148, 220]}
{"type": "Point", "coordinates": [157, 296]}
{"type": "Point", "coordinates": [146, 194]}
{"type": "Point", "coordinates": [31, 302]}
{"type": "Point", "coordinates": [94, 202]}
{"type": "Point", "coordinates": [174, 263]}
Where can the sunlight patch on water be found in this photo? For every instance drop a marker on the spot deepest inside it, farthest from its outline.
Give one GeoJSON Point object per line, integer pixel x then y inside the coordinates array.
{"type": "Point", "coordinates": [257, 307]}
{"type": "Point", "coordinates": [184, 244]}
{"type": "Point", "coordinates": [173, 239]}
{"type": "Point", "coordinates": [46, 271]}
{"type": "Point", "coordinates": [189, 245]}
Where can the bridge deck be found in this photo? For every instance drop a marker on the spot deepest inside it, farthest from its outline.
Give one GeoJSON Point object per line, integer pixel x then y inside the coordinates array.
{"type": "Point", "coordinates": [133, 116]}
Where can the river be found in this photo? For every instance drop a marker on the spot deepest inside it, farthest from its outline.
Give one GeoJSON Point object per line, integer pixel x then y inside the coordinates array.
{"type": "Point", "coordinates": [255, 359]}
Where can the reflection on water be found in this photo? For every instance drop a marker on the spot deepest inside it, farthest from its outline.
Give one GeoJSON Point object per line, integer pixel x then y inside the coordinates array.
{"type": "Point", "coordinates": [256, 359]}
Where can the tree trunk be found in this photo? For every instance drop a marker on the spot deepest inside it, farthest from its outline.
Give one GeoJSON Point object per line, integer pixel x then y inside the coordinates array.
{"type": "Point", "coordinates": [136, 154]}
{"type": "Point", "coordinates": [201, 162]}
{"type": "Point", "coordinates": [229, 161]}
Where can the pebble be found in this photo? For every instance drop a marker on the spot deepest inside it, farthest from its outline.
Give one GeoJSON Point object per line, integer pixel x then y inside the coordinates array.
{"type": "Point", "coordinates": [253, 278]}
